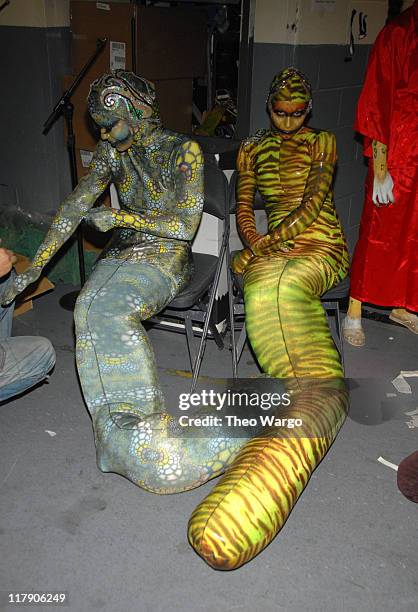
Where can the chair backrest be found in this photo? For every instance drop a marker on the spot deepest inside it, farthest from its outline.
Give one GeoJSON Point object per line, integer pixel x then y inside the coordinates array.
{"type": "Point", "coordinates": [258, 201]}
{"type": "Point", "coordinates": [216, 190]}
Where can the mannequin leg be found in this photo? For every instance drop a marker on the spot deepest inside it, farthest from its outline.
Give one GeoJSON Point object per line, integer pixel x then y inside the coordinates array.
{"type": "Point", "coordinates": [352, 330]}
{"type": "Point", "coordinates": [354, 309]}
{"type": "Point", "coordinates": [406, 318]}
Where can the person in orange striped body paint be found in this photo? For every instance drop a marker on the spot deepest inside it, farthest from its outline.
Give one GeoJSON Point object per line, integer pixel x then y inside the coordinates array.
{"type": "Point", "coordinates": [285, 272]}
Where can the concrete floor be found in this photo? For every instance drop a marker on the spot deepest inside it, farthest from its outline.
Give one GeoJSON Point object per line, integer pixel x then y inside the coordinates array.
{"type": "Point", "coordinates": [349, 544]}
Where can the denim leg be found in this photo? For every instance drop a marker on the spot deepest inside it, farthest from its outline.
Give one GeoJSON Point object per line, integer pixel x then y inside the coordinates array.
{"type": "Point", "coordinates": [6, 314]}
{"type": "Point", "coordinates": [24, 361]}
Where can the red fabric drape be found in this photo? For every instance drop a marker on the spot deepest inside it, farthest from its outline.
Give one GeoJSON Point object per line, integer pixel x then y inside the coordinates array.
{"type": "Point", "coordinates": [385, 264]}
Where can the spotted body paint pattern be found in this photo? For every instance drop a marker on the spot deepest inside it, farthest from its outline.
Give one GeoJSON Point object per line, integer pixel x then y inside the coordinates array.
{"type": "Point", "coordinates": [159, 180]}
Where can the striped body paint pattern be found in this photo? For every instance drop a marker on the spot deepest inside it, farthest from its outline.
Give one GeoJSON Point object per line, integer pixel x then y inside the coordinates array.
{"type": "Point", "coordinates": [289, 85]}
{"type": "Point", "coordinates": [285, 273]}
{"type": "Point", "coordinates": [298, 198]}
{"type": "Point", "coordinates": [286, 323]}
{"type": "Point", "coordinates": [285, 320]}
{"type": "Point", "coordinates": [252, 501]}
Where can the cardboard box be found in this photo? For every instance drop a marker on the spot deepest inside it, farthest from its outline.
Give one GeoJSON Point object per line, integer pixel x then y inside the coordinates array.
{"type": "Point", "coordinates": [22, 307]}
{"type": "Point", "coordinates": [170, 47]}
{"type": "Point", "coordinates": [171, 42]}
{"type": "Point", "coordinates": [25, 303]}
{"type": "Point", "coordinates": [93, 20]}
{"type": "Point", "coordinates": [175, 99]}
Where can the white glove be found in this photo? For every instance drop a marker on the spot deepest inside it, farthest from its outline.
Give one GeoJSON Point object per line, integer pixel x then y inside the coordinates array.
{"type": "Point", "coordinates": [382, 190]}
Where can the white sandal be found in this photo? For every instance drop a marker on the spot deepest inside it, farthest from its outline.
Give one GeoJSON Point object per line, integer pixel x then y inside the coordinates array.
{"type": "Point", "coordinates": [411, 322]}
{"type": "Point", "coordinates": [353, 332]}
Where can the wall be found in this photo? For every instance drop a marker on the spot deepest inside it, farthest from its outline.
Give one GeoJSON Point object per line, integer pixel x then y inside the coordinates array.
{"type": "Point", "coordinates": [313, 35]}
{"type": "Point", "coordinates": [34, 47]}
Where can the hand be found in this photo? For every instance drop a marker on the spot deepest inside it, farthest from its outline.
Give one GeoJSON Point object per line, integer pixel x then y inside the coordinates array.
{"type": "Point", "coordinates": [7, 259]}
{"type": "Point", "coordinates": [260, 245]}
{"type": "Point", "coordinates": [240, 260]}
{"type": "Point", "coordinates": [266, 245]}
{"type": "Point", "coordinates": [383, 190]}
{"type": "Point", "coordinates": [283, 246]}
{"type": "Point", "coordinates": [19, 284]}
{"type": "Point", "coordinates": [101, 218]}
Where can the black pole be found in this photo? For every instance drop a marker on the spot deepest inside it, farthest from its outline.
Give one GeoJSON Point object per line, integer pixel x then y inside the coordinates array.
{"type": "Point", "coordinates": [65, 107]}
{"type": "Point", "coordinates": [6, 3]}
{"type": "Point", "coordinates": [66, 96]}
{"type": "Point", "coordinates": [68, 114]}
{"type": "Point", "coordinates": [133, 38]}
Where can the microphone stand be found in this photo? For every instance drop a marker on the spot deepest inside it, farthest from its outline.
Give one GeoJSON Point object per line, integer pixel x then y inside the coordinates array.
{"type": "Point", "coordinates": [6, 3]}
{"type": "Point", "coordinates": [65, 107]}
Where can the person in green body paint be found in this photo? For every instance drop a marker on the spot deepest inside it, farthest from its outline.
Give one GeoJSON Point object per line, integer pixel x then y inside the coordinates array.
{"type": "Point", "coordinates": [158, 175]}
{"type": "Point", "coordinates": [304, 253]}
{"type": "Point", "coordinates": [285, 272]}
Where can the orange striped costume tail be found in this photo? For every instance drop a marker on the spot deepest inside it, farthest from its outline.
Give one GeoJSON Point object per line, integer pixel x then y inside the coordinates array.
{"type": "Point", "coordinates": [252, 501]}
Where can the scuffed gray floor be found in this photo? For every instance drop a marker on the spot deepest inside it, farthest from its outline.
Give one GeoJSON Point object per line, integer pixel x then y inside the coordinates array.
{"type": "Point", "coordinates": [350, 543]}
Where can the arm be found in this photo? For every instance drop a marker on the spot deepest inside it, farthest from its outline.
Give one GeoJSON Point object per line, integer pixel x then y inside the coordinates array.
{"type": "Point", "coordinates": [74, 208]}
{"type": "Point", "coordinates": [183, 221]}
{"type": "Point", "coordinates": [374, 107]}
{"type": "Point", "coordinates": [380, 166]}
{"type": "Point", "coordinates": [246, 188]}
{"type": "Point", "coordinates": [317, 187]}
{"type": "Point", "coordinates": [245, 192]}
{"type": "Point", "coordinates": [68, 217]}
{"type": "Point", "coordinates": [382, 182]}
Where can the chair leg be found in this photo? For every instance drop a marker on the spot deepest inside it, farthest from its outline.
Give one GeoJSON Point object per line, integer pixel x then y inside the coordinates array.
{"type": "Point", "coordinates": [241, 341]}
{"type": "Point", "coordinates": [335, 307]}
{"type": "Point", "coordinates": [216, 335]}
{"type": "Point", "coordinates": [190, 337]}
{"type": "Point", "coordinates": [208, 321]}
{"type": "Point", "coordinates": [339, 334]}
{"type": "Point", "coordinates": [232, 328]}
{"type": "Point", "coordinates": [230, 287]}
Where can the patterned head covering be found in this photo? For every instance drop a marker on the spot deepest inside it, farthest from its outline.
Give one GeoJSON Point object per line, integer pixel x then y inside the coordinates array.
{"type": "Point", "coordinates": [123, 95]}
{"type": "Point", "coordinates": [290, 85]}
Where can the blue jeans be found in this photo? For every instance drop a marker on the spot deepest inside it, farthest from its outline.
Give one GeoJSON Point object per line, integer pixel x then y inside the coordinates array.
{"type": "Point", "coordinates": [24, 360]}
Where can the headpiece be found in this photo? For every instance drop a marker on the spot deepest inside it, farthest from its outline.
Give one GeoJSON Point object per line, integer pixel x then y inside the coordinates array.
{"type": "Point", "coordinates": [290, 85]}
{"type": "Point", "coordinates": [123, 95]}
